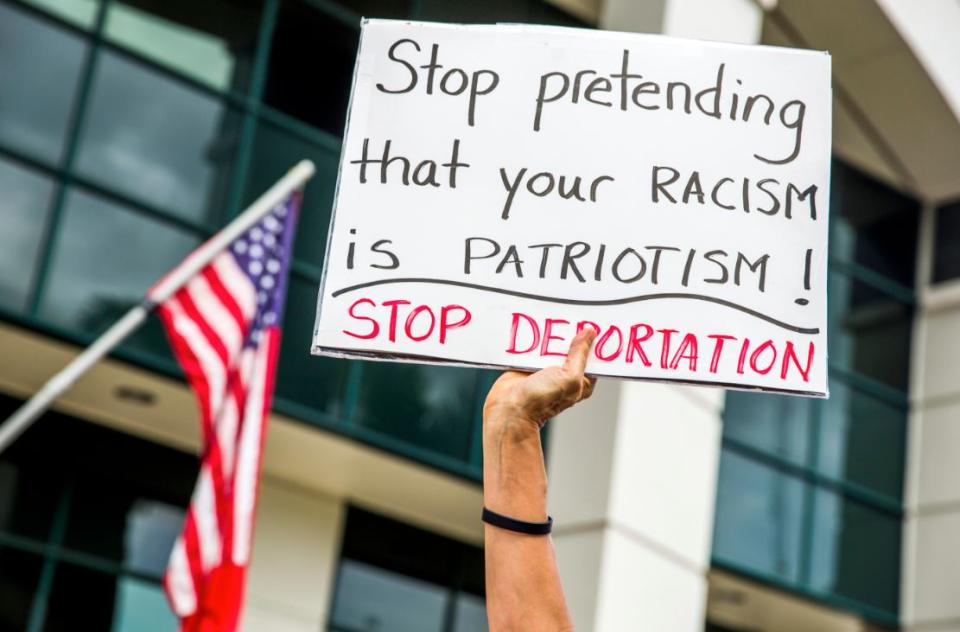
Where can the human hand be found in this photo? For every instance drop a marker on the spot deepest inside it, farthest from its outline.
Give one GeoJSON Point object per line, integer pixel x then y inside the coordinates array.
{"type": "Point", "coordinates": [528, 400]}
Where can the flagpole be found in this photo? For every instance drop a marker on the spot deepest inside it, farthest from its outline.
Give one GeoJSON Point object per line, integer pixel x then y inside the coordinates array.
{"type": "Point", "coordinates": [63, 380]}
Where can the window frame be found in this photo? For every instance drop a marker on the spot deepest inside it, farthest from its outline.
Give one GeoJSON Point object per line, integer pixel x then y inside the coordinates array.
{"type": "Point", "coordinates": [253, 112]}
{"type": "Point", "coordinates": [808, 472]}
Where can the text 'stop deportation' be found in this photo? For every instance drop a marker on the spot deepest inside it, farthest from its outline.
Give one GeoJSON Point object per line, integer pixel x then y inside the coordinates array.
{"type": "Point", "coordinates": [503, 186]}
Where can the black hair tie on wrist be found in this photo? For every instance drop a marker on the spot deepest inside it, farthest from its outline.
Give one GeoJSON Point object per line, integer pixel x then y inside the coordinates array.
{"type": "Point", "coordinates": [518, 526]}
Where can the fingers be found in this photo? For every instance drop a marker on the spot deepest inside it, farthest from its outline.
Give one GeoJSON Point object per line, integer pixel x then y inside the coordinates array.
{"type": "Point", "coordinates": [576, 361]}
{"type": "Point", "coordinates": [589, 383]}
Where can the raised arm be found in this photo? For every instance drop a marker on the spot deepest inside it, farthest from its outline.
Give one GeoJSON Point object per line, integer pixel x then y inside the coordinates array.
{"type": "Point", "coordinates": [524, 593]}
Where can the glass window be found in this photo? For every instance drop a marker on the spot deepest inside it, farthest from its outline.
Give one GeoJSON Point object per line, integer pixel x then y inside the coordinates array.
{"type": "Point", "coordinates": [758, 518]}
{"type": "Point", "coordinates": [400, 578]}
{"type": "Point", "coordinates": [775, 424]}
{"type": "Point", "coordinates": [80, 595]}
{"type": "Point", "coordinates": [432, 407]}
{"type": "Point", "coordinates": [274, 152]}
{"type": "Point", "coordinates": [862, 440]}
{"type": "Point", "coordinates": [137, 523]}
{"type": "Point", "coordinates": [319, 97]}
{"type": "Point", "coordinates": [869, 332]}
{"type": "Point", "coordinates": [856, 552]}
{"type": "Point", "coordinates": [141, 607]}
{"type": "Point", "coordinates": [157, 140]}
{"type": "Point", "coordinates": [315, 382]}
{"type": "Point", "coordinates": [946, 261]}
{"type": "Point", "coordinates": [43, 62]}
{"type": "Point", "coordinates": [80, 13]}
{"type": "Point", "coordinates": [380, 8]}
{"type": "Point", "coordinates": [152, 527]}
{"type": "Point", "coordinates": [212, 42]}
{"type": "Point", "coordinates": [873, 225]}
{"type": "Point", "coordinates": [841, 534]}
{"type": "Point", "coordinates": [529, 11]}
{"type": "Point", "coordinates": [19, 575]}
{"type": "Point", "coordinates": [23, 211]}
{"type": "Point", "coordinates": [28, 499]}
{"type": "Point", "coordinates": [372, 599]}
{"type": "Point", "coordinates": [128, 523]}
{"type": "Point", "coordinates": [470, 614]}
{"type": "Point", "coordinates": [106, 258]}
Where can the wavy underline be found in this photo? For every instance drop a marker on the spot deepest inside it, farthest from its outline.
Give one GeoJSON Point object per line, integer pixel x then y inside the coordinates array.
{"type": "Point", "coordinates": [573, 301]}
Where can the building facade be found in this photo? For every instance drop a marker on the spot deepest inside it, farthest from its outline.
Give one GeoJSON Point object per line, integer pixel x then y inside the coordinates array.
{"type": "Point", "coordinates": [131, 130]}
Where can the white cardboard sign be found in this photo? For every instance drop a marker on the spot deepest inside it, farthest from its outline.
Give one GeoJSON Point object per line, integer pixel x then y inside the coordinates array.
{"type": "Point", "coordinates": [502, 186]}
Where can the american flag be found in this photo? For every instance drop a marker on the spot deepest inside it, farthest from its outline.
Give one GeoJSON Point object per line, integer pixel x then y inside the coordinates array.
{"type": "Point", "coordinates": [224, 327]}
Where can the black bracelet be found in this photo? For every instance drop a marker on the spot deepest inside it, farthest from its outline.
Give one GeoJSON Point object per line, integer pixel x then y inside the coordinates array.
{"type": "Point", "coordinates": [518, 526]}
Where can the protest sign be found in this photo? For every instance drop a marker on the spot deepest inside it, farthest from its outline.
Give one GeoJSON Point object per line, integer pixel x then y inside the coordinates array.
{"type": "Point", "coordinates": [502, 186]}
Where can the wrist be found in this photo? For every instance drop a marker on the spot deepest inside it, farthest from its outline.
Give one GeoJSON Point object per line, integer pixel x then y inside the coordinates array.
{"type": "Point", "coordinates": [509, 423]}
{"type": "Point", "coordinates": [514, 480]}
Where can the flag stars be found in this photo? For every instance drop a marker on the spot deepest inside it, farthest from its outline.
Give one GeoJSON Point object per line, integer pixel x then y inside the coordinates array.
{"type": "Point", "coordinates": [266, 281]}
{"type": "Point", "coordinates": [269, 240]}
{"type": "Point", "coordinates": [256, 233]}
{"type": "Point", "coordinates": [270, 223]}
{"type": "Point", "coordinates": [255, 268]}
{"type": "Point", "coordinates": [240, 246]}
{"type": "Point", "coordinates": [269, 318]}
{"type": "Point", "coordinates": [273, 266]}
{"type": "Point", "coordinates": [256, 251]}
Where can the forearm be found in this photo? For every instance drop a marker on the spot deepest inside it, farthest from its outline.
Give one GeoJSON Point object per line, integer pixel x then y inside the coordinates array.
{"type": "Point", "coordinates": [523, 585]}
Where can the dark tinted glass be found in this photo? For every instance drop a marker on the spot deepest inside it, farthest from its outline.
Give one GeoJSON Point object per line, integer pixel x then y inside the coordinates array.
{"type": "Point", "coordinates": [873, 225]}
{"type": "Point", "coordinates": [856, 552]}
{"type": "Point", "coordinates": [775, 424]}
{"type": "Point", "coordinates": [869, 332]}
{"type": "Point", "coordinates": [127, 526]}
{"type": "Point", "coordinates": [106, 258]}
{"type": "Point", "coordinates": [274, 152]}
{"type": "Point", "coordinates": [397, 577]}
{"type": "Point", "coordinates": [402, 548]}
{"type": "Point", "coordinates": [380, 8]}
{"type": "Point", "coordinates": [470, 614]}
{"type": "Point", "coordinates": [24, 205]}
{"type": "Point", "coordinates": [312, 381]}
{"type": "Point", "coordinates": [213, 42]}
{"type": "Point", "coordinates": [862, 440]}
{"type": "Point", "coordinates": [132, 521]}
{"type": "Point", "coordinates": [80, 598]}
{"type": "Point", "coordinates": [28, 499]}
{"type": "Point", "coordinates": [432, 407]}
{"type": "Point", "coordinates": [136, 523]}
{"type": "Point", "coordinates": [19, 575]}
{"type": "Point", "coordinates": [39, 70]}
{"type": "Point", "coordinates": [371, 598]}
{"type": "Point", "coordinates": [758, 518]}
{"type": "Point", "coordinates": [311, 65]}
{"type": "Point", "coordinates": [530, 11]}
{"type": "Point", "coordinates": [158, 140]}
{"type": "Point", "coordinates": [946, 262]}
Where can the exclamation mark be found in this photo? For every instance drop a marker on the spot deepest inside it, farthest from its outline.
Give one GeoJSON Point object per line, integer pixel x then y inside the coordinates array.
{"type": "Point", "coordinates": [806, 276]}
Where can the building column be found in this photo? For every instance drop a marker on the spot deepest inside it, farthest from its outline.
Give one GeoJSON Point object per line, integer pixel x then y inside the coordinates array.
{"type": "Point", "coordinates": [295, 551]}
{"type": "Point", "coordinates": [930, 577]}
{"type": "Point", "coordinates": [632, 487]}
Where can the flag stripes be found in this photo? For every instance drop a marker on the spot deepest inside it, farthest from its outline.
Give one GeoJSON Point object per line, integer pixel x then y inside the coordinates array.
{"type": "Point", "coordinates": [223, 327]}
